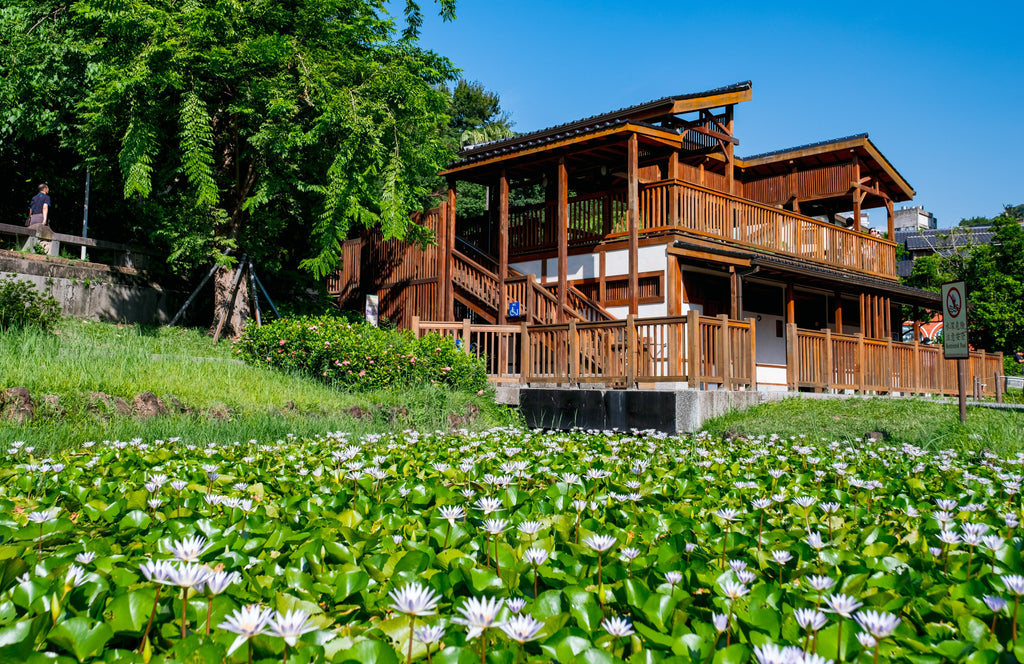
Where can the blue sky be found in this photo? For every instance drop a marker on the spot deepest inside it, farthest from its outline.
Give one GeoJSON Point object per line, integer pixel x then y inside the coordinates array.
{"type": "Point", "coordinates": [938, 86]}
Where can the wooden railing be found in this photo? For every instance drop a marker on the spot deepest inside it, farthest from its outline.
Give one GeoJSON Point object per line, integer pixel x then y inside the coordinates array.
{"type": "Point", "coordinates": [123, 255]}
{"type": "Point", "coordinates": [825, 361]}
{"type": "Point", "coordinates": [674, 204]}
{"type": "Point", "coordinates": [693, 349]}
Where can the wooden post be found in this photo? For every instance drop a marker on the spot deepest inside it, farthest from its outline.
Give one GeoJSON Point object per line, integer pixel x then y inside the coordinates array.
{"type": "Point", "coordinates": [531, 298]}
{"type": "Point", "coordinates": [502, 247]}
{"type": "Point", "coordinates": [630, 352]}
{"type": "Point", "coordinates": [730, 175]}
{"type": "Point", "coordinates": [863, 313]}
{"type": "Point", "coordinates": [792, 358]}
{"type": "Point", "coordinates": [562, 215]}
{"type": "Point", "coordinates": [466, 334]}
{"type": "Point", "coordinates": [752, 322]}
{"type": "Point", "coordinates": [860, 363]}
{"type": "Point", "coordinates": [524, 348]}
{"type": "Point", "coordinates": [674, 286]}
{"type": "Point", "coordinates": [889, 379]}
{"type": "Point", "coordinates": [734, 293]}
{"type": "Point", "coordinates": [693, 348]}
{"type": "Point", "coordinates": [415, 327]}
{"type": "Point", "coordinates": [856, 193]}
{"type": "Point", "coordinates": [574, 354]}
{"type": "Point", "coordinates": [917, 367]}
{"type": "Point", "coordinates": [790, 305]}
{"type": "Point", "coordinates": [724, 352]}
{"type": "Point", "coordinates": [828, 360]}
{"type": "Point", "coordinates": [673, 190]}
{"type": "Point", "coordinates": [449, 299]}
{"type": "Point", "coordinates": [999, 387]}
{"type": "Point", "coordinates": [839, 313]}
{"type": "Point", "coordinates": [961, 380]}
{"type": "Point", "coordinates": [982, 372]}
{"type": "Point", "coordinates": [442, 261]}
{"type": "Point", "coordinates": [633, 221]}
{"type": "Point", "coordinates": [890, 218]}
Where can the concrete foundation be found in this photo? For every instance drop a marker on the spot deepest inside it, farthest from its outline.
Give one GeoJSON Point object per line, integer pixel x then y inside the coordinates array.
{"type": "Point", "coordinates": [675, 411]}
{"type": "Point", "coordinates": [91, 290]}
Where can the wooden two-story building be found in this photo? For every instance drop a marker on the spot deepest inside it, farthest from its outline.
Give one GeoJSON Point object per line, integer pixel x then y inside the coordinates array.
{"type": "Point", "coordinates": [649, 211]}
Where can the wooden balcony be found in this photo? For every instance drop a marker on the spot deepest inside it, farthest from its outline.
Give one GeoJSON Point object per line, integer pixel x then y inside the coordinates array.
{"type": "Point", "coordinates": [679, 205]}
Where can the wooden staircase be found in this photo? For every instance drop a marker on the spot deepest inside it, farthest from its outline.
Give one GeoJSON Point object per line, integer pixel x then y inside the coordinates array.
{"type": "Point", "coordinates": [475, 282]}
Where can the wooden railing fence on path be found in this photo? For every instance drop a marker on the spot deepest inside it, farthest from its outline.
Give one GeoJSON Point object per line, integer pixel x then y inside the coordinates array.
{"type": "Point", "coordinates": [702, 351]}
{"type": "Point", "coordinates": [693, 349]}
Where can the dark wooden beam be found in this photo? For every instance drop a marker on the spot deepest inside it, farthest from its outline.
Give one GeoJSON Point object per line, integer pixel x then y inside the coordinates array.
{"type": "Point", "coordinates": [856, 198]}
{"type": "Point", "coordinates": [562, 216]}
{"type": "Point", "coordinates": [449, 246]}
{"type": "Point", "coordinates": [502, 246]}
{"type": "Point", "coordinates": [633, 221]}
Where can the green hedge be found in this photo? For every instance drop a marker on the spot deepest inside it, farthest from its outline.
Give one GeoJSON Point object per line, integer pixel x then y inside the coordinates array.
{"type": "Point", "coordinates": [359, 356]}
{"type": "Point", "coordinates": [21, 305]}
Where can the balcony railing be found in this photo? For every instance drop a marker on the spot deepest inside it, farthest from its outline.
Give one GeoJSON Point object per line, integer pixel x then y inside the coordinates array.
{"type": "Point", "coordinates": [676, 204]}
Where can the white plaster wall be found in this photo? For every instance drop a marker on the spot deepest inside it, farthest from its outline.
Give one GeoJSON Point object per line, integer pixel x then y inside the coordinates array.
{"type": "Point", "coordinates": [771, 349]}
{"type": "Point", "coordinates": [653, 310]}
{"type": "Point", "coordinates": [528, 267]}
{"type": "Point", "coordinates": [651, 259]}
{"type": "Point", "coordinates": [771, 379]}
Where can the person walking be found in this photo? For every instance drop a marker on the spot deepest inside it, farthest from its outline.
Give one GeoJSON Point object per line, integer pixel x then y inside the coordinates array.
{"type": "Point", "coordinates": [39, 207]}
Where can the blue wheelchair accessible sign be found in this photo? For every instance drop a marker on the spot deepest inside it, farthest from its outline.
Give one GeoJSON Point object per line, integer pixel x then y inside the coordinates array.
{"type": "Point", "coordinates": [513, 310]}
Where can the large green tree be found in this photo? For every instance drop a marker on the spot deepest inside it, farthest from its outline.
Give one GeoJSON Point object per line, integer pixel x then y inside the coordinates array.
{"type": "Point", "coordinates": [994, 276]}
{"type": "Point", "coordinates": [266, 127]}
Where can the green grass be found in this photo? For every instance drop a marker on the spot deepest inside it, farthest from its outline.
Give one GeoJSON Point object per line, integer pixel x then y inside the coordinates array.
{"type": "Point", "coordinates": [123, 361]}
{"type": "Point", "coordinates": [921, 422]}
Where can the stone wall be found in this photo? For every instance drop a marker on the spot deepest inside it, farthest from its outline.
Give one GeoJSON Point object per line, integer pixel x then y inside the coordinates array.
{"type": "Point", "coordinates": [92, 290]}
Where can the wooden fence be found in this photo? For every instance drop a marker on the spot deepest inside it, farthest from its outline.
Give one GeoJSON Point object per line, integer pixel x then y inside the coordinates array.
{"type": "Point", "coordinates": [112, 253]}
{"type": "Point", "coordinates": [693, 349]}
{"type": "Point", "coordinates": [702, 351]}
{"type": "Point", "coordinates": [824, 361]}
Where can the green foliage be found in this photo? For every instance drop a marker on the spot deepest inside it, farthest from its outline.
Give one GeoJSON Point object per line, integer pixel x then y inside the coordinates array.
{"type": "Point", "coordinates": [268, 126]}
{"type": "Point", "coordinates": [360, 356]}
{"type": "Point", "coordinates": [22, 306]}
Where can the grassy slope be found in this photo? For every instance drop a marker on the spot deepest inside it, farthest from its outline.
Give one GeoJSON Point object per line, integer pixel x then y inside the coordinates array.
{"type": "Point", "coordinates": [123, 361]}
{"type": "Point", "coordinates": [916, 421]}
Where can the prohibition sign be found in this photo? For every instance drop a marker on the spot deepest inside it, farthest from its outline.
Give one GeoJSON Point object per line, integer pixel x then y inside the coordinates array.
{"type": "Point", "coordinates": [954, 301]}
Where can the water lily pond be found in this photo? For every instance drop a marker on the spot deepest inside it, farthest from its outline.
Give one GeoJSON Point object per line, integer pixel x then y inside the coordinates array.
{"type": "Point", "coordinates": [509, 546]}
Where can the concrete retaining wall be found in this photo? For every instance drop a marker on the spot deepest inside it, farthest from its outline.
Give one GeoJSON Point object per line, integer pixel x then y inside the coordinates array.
{"type": "Point", "coordinates": [91, 290]}
{"type": "Point", "coordinates": [671, 411]}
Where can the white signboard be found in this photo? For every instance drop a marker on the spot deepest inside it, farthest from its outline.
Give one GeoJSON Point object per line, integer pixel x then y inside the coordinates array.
{"type": "Point", "coordinates": [954, 321]}
{"type": "Point", "coordinates": [372, 306]}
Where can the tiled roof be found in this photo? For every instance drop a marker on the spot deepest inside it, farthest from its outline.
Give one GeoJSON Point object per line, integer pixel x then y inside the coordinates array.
{"type": "Point", "coordinates": [584, 125]}
{"type": "Point", "coordinates": [830, 141]}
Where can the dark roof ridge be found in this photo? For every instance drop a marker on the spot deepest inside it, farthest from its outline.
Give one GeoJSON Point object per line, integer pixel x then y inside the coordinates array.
{"type": "Point", "coordinates": [609, 116]}
{"type": "Point", "coordinates": [829, 141]}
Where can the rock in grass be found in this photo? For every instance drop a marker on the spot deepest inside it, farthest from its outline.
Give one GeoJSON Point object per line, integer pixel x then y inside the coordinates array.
{"type": "Point", "coordinates": [17, 404]}
{"type": "Point", "coordinates": [148, 405]}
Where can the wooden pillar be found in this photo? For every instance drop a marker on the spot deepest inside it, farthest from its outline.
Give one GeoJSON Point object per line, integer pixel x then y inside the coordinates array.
{"type": "Point", "coordinates": [734, 293]}
{"type": "Point", "coordinates": [502, 246]}
{"type": "Point", "coordinates": [673, 191]}
{"type": "Point", "coordinates": [674, 286]}
{"type": "Point", "coordinates": [562, 217]}
{"type": "Point", "coordinates": [856, 194]}
{"type": "Point", "coordinates": [839, 313]}
{"type": "Point", "coordinates": [730, 170]}
{"type": "Point", "coordinates": [442, 262]}
{"type": "Point", "coordinates": [890, 218]}
{"type": "Point", "coordinates": [917, 331]}
{"type": "Point", "coordinates": [632, 212]}
{"type": "Point", "coordinates": [790, 305]}
{"type": "Point", "coordinates": [888, 318]}
{"type": "Point", "coordinates": [449, 246]}
{"type": "Point", "coordinates": [863, 314]}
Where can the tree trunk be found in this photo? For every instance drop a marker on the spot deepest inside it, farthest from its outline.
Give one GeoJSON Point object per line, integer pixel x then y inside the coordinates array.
{"type": "Point", "coordinates": [223, 281]}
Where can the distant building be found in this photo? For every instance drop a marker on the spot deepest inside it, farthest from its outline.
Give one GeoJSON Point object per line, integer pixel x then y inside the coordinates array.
{"type": "Point", "coordinates": [914, 219]}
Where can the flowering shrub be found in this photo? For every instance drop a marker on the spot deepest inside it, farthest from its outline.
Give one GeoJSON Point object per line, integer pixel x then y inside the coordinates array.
{"type": "Point", "coordinates": [359, 356]}
{"type": "Point", "coordinates": [509, 546]}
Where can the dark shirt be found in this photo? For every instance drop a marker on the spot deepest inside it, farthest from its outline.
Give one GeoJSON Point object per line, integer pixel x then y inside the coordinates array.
{"type": "Point", "coordinates": [35, 206]}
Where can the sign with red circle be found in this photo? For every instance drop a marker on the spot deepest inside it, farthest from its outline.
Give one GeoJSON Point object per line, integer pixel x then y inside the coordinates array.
{"type": "Point", "coordinates": [955, 344]}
